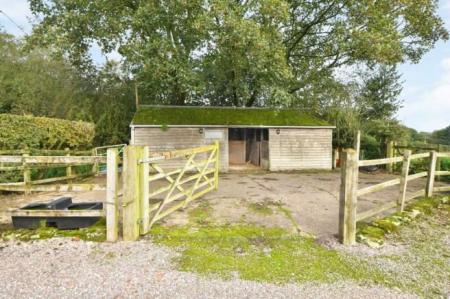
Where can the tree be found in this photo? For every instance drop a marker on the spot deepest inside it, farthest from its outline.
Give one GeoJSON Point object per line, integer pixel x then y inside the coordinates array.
{"type": "Point", "coordinates": [265, 52]}
{"type": "Point", "coordinates": [42, 84]}
{"type": "Point", "coordinates": [378, 99]}
{"type": "Point", "coordinates": [441, 136]}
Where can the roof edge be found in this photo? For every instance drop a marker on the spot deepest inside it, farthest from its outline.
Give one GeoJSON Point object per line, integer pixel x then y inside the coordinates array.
{"type": "Point", "coordinates": [232, 126]}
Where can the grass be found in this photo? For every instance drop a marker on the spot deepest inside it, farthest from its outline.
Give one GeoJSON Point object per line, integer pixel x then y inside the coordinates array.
{"type": "Point", "coordinates": [374, 233]}
{"type": "Point", "coordinates": [260, 208]}
{"type": "Point", "coordinates": [200, 214]}
{"type": "Point", "coordinates": [96, 233]}
{"type": "Point", "coordinates": [278, 256]}
{"type": "Point", "coordinates": [260, 254]}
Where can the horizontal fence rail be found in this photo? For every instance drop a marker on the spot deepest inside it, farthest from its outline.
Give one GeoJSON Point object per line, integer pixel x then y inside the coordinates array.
{"type": "Point", "coordinates": [349, 193]}
{"type": "Point", "coordinates": [110, 206]}
{"type": "Point", "coordinates": [26, 164]}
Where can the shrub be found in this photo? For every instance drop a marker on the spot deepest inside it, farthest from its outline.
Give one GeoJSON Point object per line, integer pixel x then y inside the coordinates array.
{"type": "Point", "coordinates": [20, 132]}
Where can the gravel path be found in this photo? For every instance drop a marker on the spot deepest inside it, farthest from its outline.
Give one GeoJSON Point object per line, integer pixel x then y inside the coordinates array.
{"type": "Point", "coordinates": [65, 268]}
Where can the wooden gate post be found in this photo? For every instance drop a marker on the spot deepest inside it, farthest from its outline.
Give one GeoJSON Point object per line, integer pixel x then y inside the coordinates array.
{"type": "Point", "coordinates": [431, 174]}
{"type": "Point", "coordinates": [112, 189]}
{"type": "Point", "coordinates": [131, 192]}
{"type": "Point", "coordinates": [348, 197]}
{"type": "Point", "coordinates": [144, 171]}
{"type": "Point", "coordinates": [404, 180]}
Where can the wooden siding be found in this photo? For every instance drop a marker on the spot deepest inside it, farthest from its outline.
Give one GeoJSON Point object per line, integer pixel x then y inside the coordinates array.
{"type": "Point", "coordinates": [179, 138]}
{"type": "Point", "coordinates": [296, 149]}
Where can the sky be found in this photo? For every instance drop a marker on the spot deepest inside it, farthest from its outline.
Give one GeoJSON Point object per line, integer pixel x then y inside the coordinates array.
{"type": "Point", "coordinates": [426, 85]}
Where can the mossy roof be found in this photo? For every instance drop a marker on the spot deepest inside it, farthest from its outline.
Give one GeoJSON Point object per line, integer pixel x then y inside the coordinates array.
{"type": "Point", "coordinates": [222, 116]}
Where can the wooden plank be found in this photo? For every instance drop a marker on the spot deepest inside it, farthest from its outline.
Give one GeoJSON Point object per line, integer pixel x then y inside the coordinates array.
{"type": "Point", "coordinates": [11, 168]}
{"type": "Point", "coordinates": [131, 190]}
{"type": "Point", "coordinates": [53, 159]}
{"type": "Point", "coordinates": [57, 179]}
{"type": "Point", "coordinates": [144, 171]}
{"type": "Point", "coordinates": [169, 193]}
{"type": "Point", "coordinates": [26, 175]}
{"type": "Point", "coordinates": [380, 161]}
{"type": "Point", "coordinates": [417, 176]}
{"type": "Point", "coordinates": [182, 204]}
{"type": "Point", "coordinates": [420, 156]}
{"type": "Point", "coordinates": [419, 193]}
{"type": "Point", "coordinates": [443, 155]}
{"type": "Point", "coordinates": [378, 187]}
{"type": "Point", "coordinates": [375, 211]}
{"type": "Point", "coordinates": [387, 206]}
{"type": "Point", "coordinates": [41, 152]}
{"type": "Point", "coordinates": [58, 213]}
{"type": "Point", "coordinates": [348, 197]}
{"type": "Point", "coordinates": [441, 189]}
{"type": "Point", "coordinates": [404, 180]}
{"type": "Point", "coordinates": [184, 152]}
{"type": "Point", "coordinates": [442, 173]}
{"type": "Point", "coordinates": [431, 174]}
{"type": "Point", "coordinates": [66, 187]}
{"type": "Point", "coordinates": [112, 189]}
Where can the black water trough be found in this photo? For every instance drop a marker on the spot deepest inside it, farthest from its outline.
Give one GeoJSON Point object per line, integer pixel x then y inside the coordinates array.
{"type": "Point", "coordinates": [34, 222]}
{"type": "Point", "coordinates": [62, 203]}
{"type": "Point", "coordinates": [79, 222]}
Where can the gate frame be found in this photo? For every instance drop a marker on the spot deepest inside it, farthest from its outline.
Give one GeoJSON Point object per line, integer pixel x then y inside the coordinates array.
{"type": "Point", "coordinates": [136, 190]}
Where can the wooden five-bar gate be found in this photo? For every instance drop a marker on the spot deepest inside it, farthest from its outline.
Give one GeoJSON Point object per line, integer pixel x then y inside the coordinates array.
{"type": "Point", "coordinates": [154, 188]}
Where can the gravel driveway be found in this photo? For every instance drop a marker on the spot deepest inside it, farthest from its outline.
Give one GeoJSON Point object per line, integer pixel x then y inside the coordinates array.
{"type": "Point", "coordinates": [65, 268]}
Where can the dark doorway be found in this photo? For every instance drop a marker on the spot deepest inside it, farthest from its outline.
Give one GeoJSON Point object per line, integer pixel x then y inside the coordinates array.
{"type": "Point", "coordinates": [248, 146]}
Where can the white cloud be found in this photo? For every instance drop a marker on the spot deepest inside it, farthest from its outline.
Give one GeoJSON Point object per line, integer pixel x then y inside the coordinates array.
{"type": "Point", "coordinates": [430, 108]}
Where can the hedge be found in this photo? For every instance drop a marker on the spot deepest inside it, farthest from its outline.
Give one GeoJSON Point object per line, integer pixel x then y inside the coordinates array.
{"type": "Point", "coordinates": [21, 132]}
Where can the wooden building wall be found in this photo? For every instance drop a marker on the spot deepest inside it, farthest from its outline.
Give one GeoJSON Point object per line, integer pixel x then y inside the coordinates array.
{"type": "Point", "coordinates": [292, 149]}
{"type": "Point", "coordinates": [178, 138]}
{"type": "Point", "coordinates": [296, 149]}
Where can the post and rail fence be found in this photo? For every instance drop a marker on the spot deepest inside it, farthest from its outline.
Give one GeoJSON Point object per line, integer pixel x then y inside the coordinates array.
{"type": "Point", "coordinates": [349, 192]}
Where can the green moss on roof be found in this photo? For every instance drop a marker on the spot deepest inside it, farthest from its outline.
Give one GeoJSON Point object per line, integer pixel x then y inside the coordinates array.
{"type": "Point", "coordinates": [171, 116]}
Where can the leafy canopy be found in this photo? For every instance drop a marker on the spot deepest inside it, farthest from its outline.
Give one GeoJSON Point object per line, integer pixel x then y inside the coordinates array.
{"type": "Point", "coordinates": [265, 52]}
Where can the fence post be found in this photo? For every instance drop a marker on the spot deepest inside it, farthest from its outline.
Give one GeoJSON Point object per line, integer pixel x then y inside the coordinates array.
{"type": "Point", "coordinates": [431, 174]}
{"type": "Point", "coordinates": [390, 154]}
{"type": "Point", "coordinates": [217, 165]}
{"type": "Point", "coordinates": [112, 187]}
{"type": "Point", "coordinates": [131, 190]}
{"type": "Point", "coordinates": [348, 197]}
{"type": "Point", "coordinates": [68, 168]}
{"type": "Point", "coordinates": [26, 175]}
{"type": "Point", "coordinates": [335, 155]}
{"type": "Point", "coordinates": [144, 170]}
{"type": "Point", "coordinates": [438, 162]}
{"type": "Point", "coordinates": [95, 165]}
{"type": "Point", "coordinates": [404, 180]}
